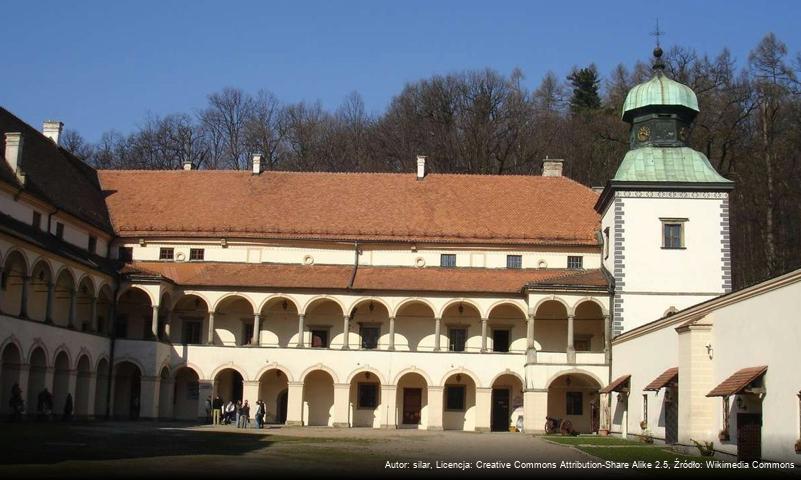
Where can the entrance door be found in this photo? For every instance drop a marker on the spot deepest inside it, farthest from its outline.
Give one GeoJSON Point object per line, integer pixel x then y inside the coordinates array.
{"type": "Point", "coordinates": [500, 410]}
{"type": "Point", "coordinates": [280, 413]}
{"type": "Point", "coordinates": [749, 436]}
{"type": "Point", "coordinates": [671, 416]}
{"type": "Point", "coordinates": [412, 404]}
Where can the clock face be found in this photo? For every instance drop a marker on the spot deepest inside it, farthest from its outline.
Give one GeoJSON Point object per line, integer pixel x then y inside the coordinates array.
{"type": "Point", "coordinates": [643, 134]}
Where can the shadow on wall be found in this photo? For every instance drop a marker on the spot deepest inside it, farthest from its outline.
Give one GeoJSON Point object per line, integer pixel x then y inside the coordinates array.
{"type": "Point", "coordinates": [53, 443]}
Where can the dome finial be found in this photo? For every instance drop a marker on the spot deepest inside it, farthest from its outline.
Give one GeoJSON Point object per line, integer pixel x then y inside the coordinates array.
{"type": "Point", "coordinates": [659, 65]}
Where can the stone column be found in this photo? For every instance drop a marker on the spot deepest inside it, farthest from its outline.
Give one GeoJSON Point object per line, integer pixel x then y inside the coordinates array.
{"type": "Point", "coordinates": [389, 396]}
{"type": "Point", "coordinates": [149, 397]}
{"type": "Point", "coordinates": [483, 335]}
{"type": "Point", "coordinates": [535, 408]}
{"type": "Point", "coordinates": [437, 334]}
{"type": "Point", "coordinates": [300, 332]}
{"type": "Point", "coordinates": [92, 391]}
{"type": "Point", "coordinates": [434, 421]}
{"type": "Point", "coordinates": [483, 409]}
{"type": "Point", "coordinates": [342, 405]}
{"type": "Point", "coordinates": [23, 306]}
{"type": "Point", "coordinates": [168, 327]}
{"type": "Point", "coordinates": [294, 403]}
{"type": "Point", "coordinates": [210, 333]}
{"type": "Point", "coordinates": [154, 323]}
{"type": "Point", "coordinates": [571, 350]}
{"type": "Point", "coordinates": [255, 341]}
{"type": "Point", "coordinates": [346, 332]}
{"type": "Point", "coordinates": [391, 333]}
{"type": "Point", "coordinates": [93, 314]}
{"type": "Point", "coordinates": [49, 302]}
{"type": "Point", "coordinates": [531, 346]}
{"type": "Point", "coordinates": [607, 340]}
{"type": "Point", "coordinates": [71, 311]}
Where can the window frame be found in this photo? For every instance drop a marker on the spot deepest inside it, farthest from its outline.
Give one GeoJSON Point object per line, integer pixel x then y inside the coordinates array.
{"type": "Point", "coordinates": [445, 264]}
{"type": "Point", "coordinates": [186, 324]}
{"type": "Point", "coordinates": [570, 398]}
{"type": "Point", "coordinates": [324, 329]}
{"type": "Point", "coordinates": [376, 396]}
{"type": "Point", "coordinates": [369, 326]}
{"type": "Point", "coordinates": [163, 251]}
{"type": "Point", "coordinates": [508, 331]}
{"type": "Point", "coordinates": [36, 221]}
{"type": "Point", "coordinates": [517, 264]}
{"type": "Point", "coordinates": [194, 251]}
{"type": "Point", "coordinates": [60, 230]}
{"type": "Point", "coordinates": [448, 390]}
{"type": "Point", "coordinates": [247, 323]}
{"type": "Point", "coordinates": [92, 246]}
{"type": "Point", "coordinates": [645, 409]}
{"type": "Point", "coordinates": [573, 259]}
{"type": "Point", "coordinates": [451, 336]}
{"type": "Point", "coordinates": [682, 233]}
{"type": "Point", "coordinates": [606, 243]}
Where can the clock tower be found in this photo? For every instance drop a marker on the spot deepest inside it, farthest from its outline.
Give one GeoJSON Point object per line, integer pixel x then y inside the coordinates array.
{"type": "Point", "coordinates": [665, 214]}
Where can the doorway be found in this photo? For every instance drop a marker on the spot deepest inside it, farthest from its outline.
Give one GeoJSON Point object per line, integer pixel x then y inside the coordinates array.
{"type": "Point", "coordinates": [671, 416]}
{"type": "Point", "coordinates": [280, 411]}
{"type": "Point", "coordinates": [749, 436]}
{"type": "Point", "coordinates": [412, 404]}
{"type": "Point", "coordinates": [500, 410]}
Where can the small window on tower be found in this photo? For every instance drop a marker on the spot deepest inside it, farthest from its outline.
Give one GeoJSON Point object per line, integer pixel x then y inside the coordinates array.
{"type": "Point", "coordinates": [673, 233]}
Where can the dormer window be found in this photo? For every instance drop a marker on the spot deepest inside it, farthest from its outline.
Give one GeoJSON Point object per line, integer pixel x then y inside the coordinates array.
{"type": "Point", "coordinates": [166, 253]}
{"type": "Point", "coordinates": [196, 254]}
{"type": "Point", "coordinates": [447, 260]}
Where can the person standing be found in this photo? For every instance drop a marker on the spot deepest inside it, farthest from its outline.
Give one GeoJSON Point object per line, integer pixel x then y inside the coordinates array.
{"type": "Point", "coordinates": [216, 406]}
{"type": "Point", "coordinates": [259, 414]}
{"type": "Point", "coordinates": [237, 412]}
{"type": "Point", "coordinates": [244, 416]}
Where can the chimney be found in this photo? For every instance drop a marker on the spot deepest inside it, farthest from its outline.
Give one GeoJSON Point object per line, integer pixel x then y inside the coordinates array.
{"type": "Point", "coordinates": [421, 167]}
{"type": "Point", "coordinates": [13, 153]}
{"type": "Point", "coordinates": [258, 163]}
{"type": "Point", "coordinates": [552, 167]}
{"type": "Point", "coordinates": [187, 164]}
{"type": "Point", "coordinates": [52, 130]}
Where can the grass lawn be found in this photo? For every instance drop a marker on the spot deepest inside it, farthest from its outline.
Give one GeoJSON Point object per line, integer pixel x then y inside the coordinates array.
{"type": "Point", "coordinates": [622, 450]}
{"type": "Point", "coordinates": [589, 440]}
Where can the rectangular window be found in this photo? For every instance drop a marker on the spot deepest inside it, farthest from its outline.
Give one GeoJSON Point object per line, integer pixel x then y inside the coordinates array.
{"type": "Point", "coordinates": [369, 334]}
{"type": "Point", "coordinates": [574, 403]}
{"type": "Point", "coordinates": [582, 343]}
{"type": "Point", "coordinates": [500, 340]}
{"type": "Point", "coordinates": [125, 254]}
{"type": "Point", "coordinates": [191, 332]}
{"type": "Point", "coordinates": [368, 395]}
{"type": "Point", "coordinates": [454, 397]}
{"type": "Point", "coordinates": [458, 337]}
{"type": "Point", "coordinates": [319, 338]}
{"type": "Point", "coordinates": [166, 253]}
{"type": "Point", "coordinates": [645, 409]}
{"type": "Point", "coordinates": [196, 254]}
{"type": "Point", "coordinates": [447, 260]}
{"type": "Point", "coordinates": [514, 261]}
{"type": "Point", "coordinates": [672, 234]}
{"type": "Point", "coordinates": [59, 230]}
{"type": "Point", "coordinates": [92, 244]}
{"type": "Point", "coordinates": [574, 261]}
{"type": "Point", "coordinates": [37, 220]}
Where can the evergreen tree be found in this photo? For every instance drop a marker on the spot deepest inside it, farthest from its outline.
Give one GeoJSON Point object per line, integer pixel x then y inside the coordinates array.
{"type": "Point", "coordinates": [585, 84]}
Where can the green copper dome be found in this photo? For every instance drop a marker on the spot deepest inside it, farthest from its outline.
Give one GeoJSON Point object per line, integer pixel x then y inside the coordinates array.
{"type": "Point", "coordinates": [660, 90]}
{"type": "Point", "coordinates": [677, 164]}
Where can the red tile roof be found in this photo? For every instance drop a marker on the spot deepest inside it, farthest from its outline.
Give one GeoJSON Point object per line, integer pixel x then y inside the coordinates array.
{"type": "Point", "coordinates": [527, 210]}
{"type": "Point", "coordinates": [738, 381]}
{"type": "Point", "coordinates": [267, 275]}
{"type": "Point", "coordinates": [667, 377]}
{"type": "Point", "coordinates": [617, 385]}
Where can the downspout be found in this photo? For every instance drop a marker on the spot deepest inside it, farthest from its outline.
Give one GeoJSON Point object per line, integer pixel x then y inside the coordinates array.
{"type": "Point", "coordinates": [355, 264]}
{"type": "Point", "coordinates": [113, 336]}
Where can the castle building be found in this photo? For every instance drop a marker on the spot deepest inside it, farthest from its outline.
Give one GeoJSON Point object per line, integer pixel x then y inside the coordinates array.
{"type": "Point", "coordinates": [420, 300]}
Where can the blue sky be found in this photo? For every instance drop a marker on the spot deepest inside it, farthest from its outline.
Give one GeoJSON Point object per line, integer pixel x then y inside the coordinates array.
{"type": "Point", "coordinates": [106, 65]}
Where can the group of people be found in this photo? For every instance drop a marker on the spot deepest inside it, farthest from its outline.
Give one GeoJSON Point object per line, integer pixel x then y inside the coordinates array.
{"type": "Point", "coordinates": [44, 405]}
{"type": "Point", "coordinates": [220, 413]}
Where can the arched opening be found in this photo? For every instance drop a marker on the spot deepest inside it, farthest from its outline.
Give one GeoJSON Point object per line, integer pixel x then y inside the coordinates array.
{"type": "Point", "coordinates": [272, 384]}
{"type": "Point", "coordinates": [36, 380]}
{"type": "Point", "coordinates": [127, 389]}
{"type": "Point", "coordinates": [506, 329]}
{"type": "Point", "coordinates": [15, 269]}
{"type": "Point", "coordinates": [228, 384]}
{"type": "Point", "coordinates": [365, 400]}
{"type": "Point", "coordinates": [507, 403]}
{"type": "Point", "coordinates": [10, 376]}
{"type": "Point", "coordinates": [101, 388]}
{"type": "Point", "coordinates": [588, 328]}
{"type": "Point", "coordinates": [104, 304]}
{"type": "Point", "coordinates": [84, 298]}
{"type": "Point", "coordinates": [61, 382]}
{"type": "Point", "coordinates": [41, 278]}
{"type": "Point", "coordinates": [134, 315]}
{"type": "Point", "coordinates": [186, 401]}
{"type": "Point", "coordinates": [550, 327]}
{"type": "Point", "coordinates": [575, 397]}
{"type": "Point", "coordinates": [459, 403]}
{"type": "Point", "coordinates": [461, 327]}
{"type": "Point", "coordinates": [369, 319]}
{"type": "Point", "coordinates": [279, 323]}
{"type": "Point", "coordinates": [318, 398]}
{"type": "Point", "coordinates": [323, 324]}
{"type": "Point", "coordinates": [165, 394]}
{"type": "Point", "coordinates": [63, 292]}
{"type": "Point", "coordinates": [412, 401]}
{"type": "Point", "coordinates": [82, 383]}
{"type": "Point", "coordinates": [414, 327]}
{"type": "Point", "coordinates": [189, 320]}
{"type": "Point", "coordinates": [233, 322]}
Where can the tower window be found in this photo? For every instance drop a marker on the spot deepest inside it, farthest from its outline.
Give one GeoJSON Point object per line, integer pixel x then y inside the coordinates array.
{"type": "Point", "coordinates": [514, 261]}
{"type": "Point", "coordinates": [575, 261]}
{"type": "Point", "coordinates": [673, 233]}
{"type": "Point", "coordinates": [447, 260]}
